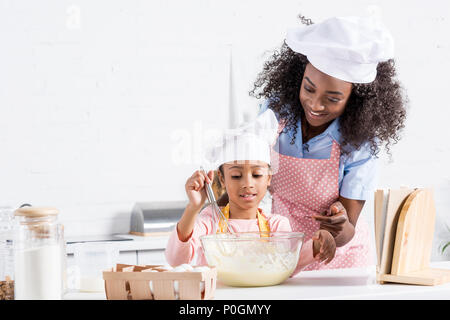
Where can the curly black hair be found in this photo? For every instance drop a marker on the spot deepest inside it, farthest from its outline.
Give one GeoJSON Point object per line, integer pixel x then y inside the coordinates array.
{"type": "Point", "coordinates": [375, 112]}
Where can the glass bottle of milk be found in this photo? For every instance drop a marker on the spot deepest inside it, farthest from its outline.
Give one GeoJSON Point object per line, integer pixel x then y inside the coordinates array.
{"type": "Point", "coordinates": [38, 254]}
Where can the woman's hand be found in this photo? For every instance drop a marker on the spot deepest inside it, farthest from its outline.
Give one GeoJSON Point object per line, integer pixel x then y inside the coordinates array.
{"type": "Point", "coordinates": [195, 188]}
{"type": "Point", "coordinates": [324, 246]}
{"type": "Point", "coordinates": [340, 219]}
{"type": "Point", "coordinates": [334, 219]}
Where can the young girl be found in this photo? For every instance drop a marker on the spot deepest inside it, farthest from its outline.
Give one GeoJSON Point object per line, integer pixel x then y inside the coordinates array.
{"type": "Point", "coordinates": [245, 172]}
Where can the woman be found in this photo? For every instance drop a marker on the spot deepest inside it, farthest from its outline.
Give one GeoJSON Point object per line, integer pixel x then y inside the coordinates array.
{"type": "Point", "coordinates": [332, 86]}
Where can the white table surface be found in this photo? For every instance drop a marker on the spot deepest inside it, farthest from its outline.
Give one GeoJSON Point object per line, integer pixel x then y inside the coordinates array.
{"type": "Point", "coordinates": [338, 284]}
{"type": "Point", "coordinates": [136, 243]}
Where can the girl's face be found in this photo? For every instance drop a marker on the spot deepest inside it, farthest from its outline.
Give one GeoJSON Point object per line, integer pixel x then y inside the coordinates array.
{"type": "Point", "coordinates": [323, 97]}
{"type": "Point", "coordinates": [246, 182]}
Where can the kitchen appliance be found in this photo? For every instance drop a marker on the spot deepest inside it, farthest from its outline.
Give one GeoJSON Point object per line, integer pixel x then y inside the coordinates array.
{"type": "Point", "coordinates": [96, 238]}
{"type": "Point", "coordinates": [253, 259]}
{"type": "Point", "coordinates": [404, 228]}
{"type": "Point", "coordinates": [155, 218]}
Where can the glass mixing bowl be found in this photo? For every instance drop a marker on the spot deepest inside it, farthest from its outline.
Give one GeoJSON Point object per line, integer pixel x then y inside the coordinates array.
{"type": "Point", "coordinates": [253, 259]}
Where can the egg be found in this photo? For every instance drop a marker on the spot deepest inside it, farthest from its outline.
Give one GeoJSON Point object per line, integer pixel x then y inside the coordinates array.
{"type": "Point", "coordinates": [179, 269]}
{"type": "Point", "coordinates": [166, 267]}
{"type": "Point", "coordinates": [187, 267]}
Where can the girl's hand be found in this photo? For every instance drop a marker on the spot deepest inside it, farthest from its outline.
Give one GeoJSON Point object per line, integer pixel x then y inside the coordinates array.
{"type": "Point", "coordinates": [195, 188]}
{"type": "Point", "coordinates": [324, 246]}
{"type": "Point", "coordinates": [334, 219]}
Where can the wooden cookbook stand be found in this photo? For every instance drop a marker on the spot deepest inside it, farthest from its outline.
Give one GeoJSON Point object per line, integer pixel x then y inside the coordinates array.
{"type": "Point", "coordinates": [404, 228]}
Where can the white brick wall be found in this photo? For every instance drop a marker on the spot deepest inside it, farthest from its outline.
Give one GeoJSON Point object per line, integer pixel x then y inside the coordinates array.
{"type": "Point", "coordinates": [92, 94]}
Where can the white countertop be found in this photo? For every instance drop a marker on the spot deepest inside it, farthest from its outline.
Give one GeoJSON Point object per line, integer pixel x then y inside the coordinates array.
{"type": "Point", "coordinates": [137, 243]}
{"type": "Point", "coordinates": [338, 284]}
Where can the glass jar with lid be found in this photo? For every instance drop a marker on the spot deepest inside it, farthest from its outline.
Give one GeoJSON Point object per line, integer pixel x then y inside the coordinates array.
{"type": "Point", "coordinates": [39, 254]}
{"type": "Point", "coordinates": [6, 254]}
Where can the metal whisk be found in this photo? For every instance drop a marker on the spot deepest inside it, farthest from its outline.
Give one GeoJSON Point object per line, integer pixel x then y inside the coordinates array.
{"type": "Point", "coordinates": [213, 202]}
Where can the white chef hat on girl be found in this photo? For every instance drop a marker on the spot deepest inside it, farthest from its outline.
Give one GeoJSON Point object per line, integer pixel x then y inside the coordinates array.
{"type": "Point", "coordinates": [251, 141]}
{"type": "Point", "coordinates": [347, 48]}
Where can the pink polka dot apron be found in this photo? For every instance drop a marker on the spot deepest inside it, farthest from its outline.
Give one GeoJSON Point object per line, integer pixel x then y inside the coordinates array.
{"type": "Point", "coordinates": [301, 188]}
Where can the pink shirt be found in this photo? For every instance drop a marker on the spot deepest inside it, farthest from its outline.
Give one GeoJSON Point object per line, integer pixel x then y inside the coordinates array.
{"type": "Point", "coordinates": [178, 252]}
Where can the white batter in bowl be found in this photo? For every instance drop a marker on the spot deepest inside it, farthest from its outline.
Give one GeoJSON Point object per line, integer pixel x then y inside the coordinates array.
{"type": "Point", "coordinates": [249, 259]}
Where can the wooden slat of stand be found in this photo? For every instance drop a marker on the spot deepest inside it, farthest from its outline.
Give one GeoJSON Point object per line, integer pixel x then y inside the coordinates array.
{"type": "Point", "coordinates": [396, 199]}
{"type": "Point", "coordinates": [413, 243]}
{"type": "Point", "coordinates": [414, 237]}
{"type": "Point", "coordinates": [427, 277]}
{"type": "Point", "coordinates": [378, 210]}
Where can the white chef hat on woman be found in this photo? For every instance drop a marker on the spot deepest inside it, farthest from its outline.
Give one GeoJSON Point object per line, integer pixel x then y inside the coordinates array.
{"type": "Point", "coordinates": [347, 48]}
{"type": "Point", "coordinates": [251, 141]}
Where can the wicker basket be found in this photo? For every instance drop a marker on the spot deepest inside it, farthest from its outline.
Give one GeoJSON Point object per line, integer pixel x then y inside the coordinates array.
{"type": "Point", "coordinates": [131, 282]}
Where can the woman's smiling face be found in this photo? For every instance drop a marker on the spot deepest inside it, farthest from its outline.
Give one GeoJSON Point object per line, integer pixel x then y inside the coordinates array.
{"type": "Point", "coordinates": [323, 97]}
{"type": "Point", "coordinates": [246, 182]}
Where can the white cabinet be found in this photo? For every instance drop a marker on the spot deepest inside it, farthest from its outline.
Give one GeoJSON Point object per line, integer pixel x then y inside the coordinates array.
{"type": "Point", "coordinates": [134, 257]}
{"type": "Point", "coordinates": [140, 250]}
{"type": "Point", "coordinates": [128, 257]}
{"type": "Point", "coordinates": [151, 257]}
